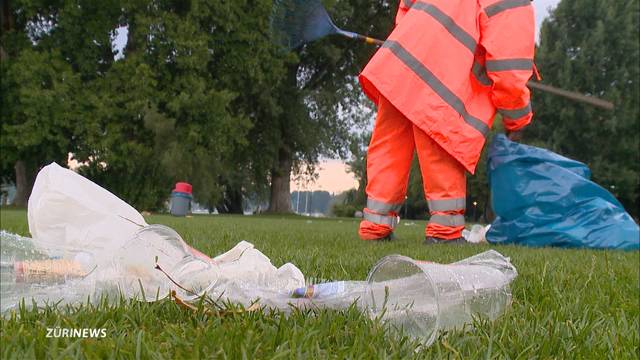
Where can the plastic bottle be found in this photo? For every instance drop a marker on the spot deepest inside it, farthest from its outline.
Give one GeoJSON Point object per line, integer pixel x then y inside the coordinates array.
{"type": "Point", "coordinates": [337, 294]}
{"type": "Point", "coordinates": [154, 262]}
{"type": "Point", "coordinates": [329, 289]}
{"type": "Point", "coordinates": [42, 272]}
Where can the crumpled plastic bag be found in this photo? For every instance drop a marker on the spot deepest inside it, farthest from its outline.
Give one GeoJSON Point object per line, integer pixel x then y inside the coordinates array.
{"type": "Point", "coordinates": [66, 208]}
{"type": "Point", "coordinates": [245, 263]}
{"type": "Point", "coordinates": [477, 234]}
{"type": "Point", "coordinates": [68, 211]}
{"type": "Point", "coordinates": [246, 274]}
{"type": "Point", "coordinates": [544, 199]}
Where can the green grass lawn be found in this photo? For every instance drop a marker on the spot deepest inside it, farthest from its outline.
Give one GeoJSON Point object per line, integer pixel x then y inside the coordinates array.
{"type": "Point", "coordinates": [566, 303]}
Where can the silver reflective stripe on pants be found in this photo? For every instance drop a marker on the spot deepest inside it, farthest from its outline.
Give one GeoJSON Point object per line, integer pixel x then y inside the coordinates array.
{"type": "Point", "coordinates": [382, 207]}
{"type": "Point", "coordinates": [391, 221]}
{"type": "Point", "coordinates": [447, 204]}
{"type": "Point", "coordinates": [447, 220]}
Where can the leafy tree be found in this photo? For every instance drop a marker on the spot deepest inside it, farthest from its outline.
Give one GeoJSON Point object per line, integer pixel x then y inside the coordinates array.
{"type": "Point", "coordinates": [253, 69]}
{"type": "Point", "coordinates": [357, 165]}
{"type": "Point", "coordinates": [592, 46]}
{"type": "Point", "coordinates": [318, 93]}
{"type": "Point", "coordinates": [38, 115]}
{"type": "Point", "coordinates": [201, 95]}
{"type": "Point", "coordinates": [122, 141]}
{"type": "Point", "coordinates": [194, 75]}
{"type": "Point", "coordinates": [39, 90]}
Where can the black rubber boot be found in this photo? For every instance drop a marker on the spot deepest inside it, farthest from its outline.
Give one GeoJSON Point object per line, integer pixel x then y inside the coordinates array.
{"type": "Point", "coordinates": [389, 237]}
{"type": "Point", "coordinates": [431, 240]}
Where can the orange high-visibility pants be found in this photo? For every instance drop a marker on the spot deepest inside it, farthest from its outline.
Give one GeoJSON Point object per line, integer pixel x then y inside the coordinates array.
{"type": "Point", "coordinates": [393, 142]}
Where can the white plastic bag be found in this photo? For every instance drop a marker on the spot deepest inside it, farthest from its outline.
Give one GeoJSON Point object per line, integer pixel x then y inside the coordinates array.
{"type": "Point", "coordinates": [477, 234]}
{"type": "Point", "coordinates": [70, 210]}
{"type": "Point", "coordinates": [246, 275]}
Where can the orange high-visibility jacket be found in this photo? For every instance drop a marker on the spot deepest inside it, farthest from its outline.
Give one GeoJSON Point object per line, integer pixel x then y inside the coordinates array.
{"type": "Point", "coordinates": [449, 65]}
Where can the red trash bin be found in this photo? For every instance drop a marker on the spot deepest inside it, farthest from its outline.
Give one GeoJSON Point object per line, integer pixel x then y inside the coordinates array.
{"type": "Point", "coordinates": [181, 198]}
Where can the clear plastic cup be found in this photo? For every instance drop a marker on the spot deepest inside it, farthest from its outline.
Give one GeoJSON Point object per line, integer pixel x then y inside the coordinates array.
{"type": "Point", "coordinates": [422, 298]}
{"type": "Point", "coordinates": [156, 261]}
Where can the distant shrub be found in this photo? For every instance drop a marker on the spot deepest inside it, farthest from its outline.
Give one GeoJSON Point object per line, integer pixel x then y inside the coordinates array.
{"type": "Point", "coordinates": [344, 210]}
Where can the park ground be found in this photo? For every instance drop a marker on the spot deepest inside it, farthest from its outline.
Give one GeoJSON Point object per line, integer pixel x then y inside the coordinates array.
{"type": "Point", "coordinates": [566, 303]}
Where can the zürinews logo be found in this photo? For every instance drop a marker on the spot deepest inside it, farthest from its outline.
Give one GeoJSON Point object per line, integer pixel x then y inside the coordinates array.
{"type": "Point", "coordinates": [76, 333]}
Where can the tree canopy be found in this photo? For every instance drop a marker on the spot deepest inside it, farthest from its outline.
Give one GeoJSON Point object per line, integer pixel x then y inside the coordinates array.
{"type": "Point", "coordinates": [592, 46]}
{"type": "Point", "coordinates": [201, 94]}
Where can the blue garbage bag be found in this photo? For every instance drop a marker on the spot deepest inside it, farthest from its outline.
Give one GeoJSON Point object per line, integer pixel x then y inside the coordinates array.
{"type": "Point", "coordinates": [543, 199]}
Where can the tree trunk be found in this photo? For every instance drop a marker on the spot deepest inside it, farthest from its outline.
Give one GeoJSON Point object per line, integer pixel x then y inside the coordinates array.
{"type": "Point", "coordinates": [232, 202]}
{"type": "Point", "coordinates": [7, 25]}
{"type": "Point", "coordinates": [7, 17]}
{"type": "Point", "coordinates": [25, 177]}
{"type": "Point", "coordinates": [131, 47]}
{"type": "Point", "coordinates": [280, 180]}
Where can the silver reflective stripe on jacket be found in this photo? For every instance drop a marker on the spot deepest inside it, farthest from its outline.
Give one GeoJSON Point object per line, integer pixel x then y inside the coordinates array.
{"type": "Point", "coordinates": [503, 5]}
{"type": "Point", "coordinates": [481, 74]}
{"type": "Point", "coordinates": [515, 113]}
{"type": "Point", "coordinates": [447, 220]}
{"type": "Point", "coordinates": [382, 207]}
{"type": "Point", "coordinates": [509, 64]}
{"type": "Point", "coordinates": [436, 85]}
{"type": "Point", "coordinates": [447, 204]}
{"type": "Point", "coordinates": [391, 221]}
{"type": "Point", "coordinates": [449, 24]}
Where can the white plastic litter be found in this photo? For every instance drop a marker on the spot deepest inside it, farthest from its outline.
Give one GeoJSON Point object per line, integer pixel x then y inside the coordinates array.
{"type": "Point", "coordinates": [88, 243]}
{"type": "Point", "coordinates": [477, 234]}
{"type": "Point", "coordinates": [67, 209]}
{"type": "Point", "coordinates": [247, 275]}
{"type": "Point", "coordinates": [70, 215]}
{"type": "Point", "coordinates": [145, 268]}
{"type": "Point", "coordinates": [42, 272]}
{"type": "Point", "coordinates": [424, 298]}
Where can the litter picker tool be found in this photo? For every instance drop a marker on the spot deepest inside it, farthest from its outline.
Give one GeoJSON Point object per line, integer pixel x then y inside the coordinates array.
{"type": "Point", "coordinates": [297, 22]}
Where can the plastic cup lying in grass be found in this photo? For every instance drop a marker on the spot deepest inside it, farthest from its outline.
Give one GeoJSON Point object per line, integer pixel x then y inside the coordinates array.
{"type": "Point", "coordinates": [423, 298]}
{"type": "Point", "coordinates": [156, 261]}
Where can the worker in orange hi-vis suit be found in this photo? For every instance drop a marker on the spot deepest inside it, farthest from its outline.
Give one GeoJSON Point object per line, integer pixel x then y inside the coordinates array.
{"type": "Point", "coordinates": [438, 81]}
